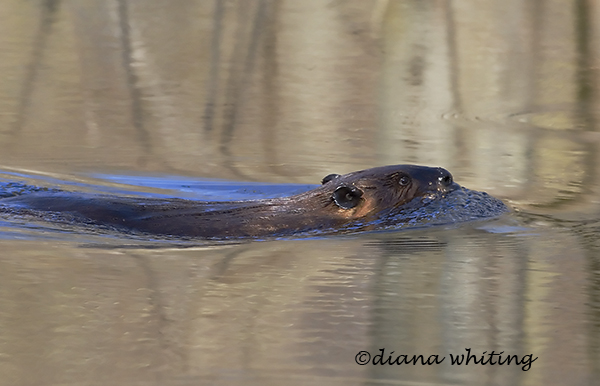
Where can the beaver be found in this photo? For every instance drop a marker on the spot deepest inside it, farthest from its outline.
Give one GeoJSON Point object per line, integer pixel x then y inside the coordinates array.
{"type": "Point", "coordinates": [349, 201]}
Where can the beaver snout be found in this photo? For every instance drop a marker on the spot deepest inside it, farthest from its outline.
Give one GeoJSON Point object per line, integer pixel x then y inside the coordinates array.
{"type": "Point", "coordinates": [445, 181]}
{"type": "Point", "coordinates": [437, 180]}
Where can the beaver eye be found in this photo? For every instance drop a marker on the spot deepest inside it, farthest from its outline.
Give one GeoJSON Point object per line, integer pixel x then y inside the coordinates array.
{"type": "Point", "coordinates": [347, 197]}
{"type": "Point", "coordinates": [404, 180]}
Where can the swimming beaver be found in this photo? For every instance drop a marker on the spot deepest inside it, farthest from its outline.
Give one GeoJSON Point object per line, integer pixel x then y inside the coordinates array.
{"type": "Point", "coordinates": [342, 201]}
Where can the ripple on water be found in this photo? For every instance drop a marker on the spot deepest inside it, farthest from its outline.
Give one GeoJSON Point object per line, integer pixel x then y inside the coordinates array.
{"type": "Point", "coordinates": [458, 206]}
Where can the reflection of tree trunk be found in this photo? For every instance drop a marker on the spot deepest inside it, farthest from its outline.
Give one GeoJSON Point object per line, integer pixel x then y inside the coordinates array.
{"type": "Point", "coordinates": [416, 84]}
{"type": "Point", "coordinates": [586, 93]}
{"type": "Point", "coordinates": [109, 84]}
{"type": "Point", "coordinates": [243, 61]}
{"type": "Point", "coordinates": [578, 110]}
{"type": "Point", "coordinates": [587, 39]}
{"type": "Point", "coordinates": [137, 115]}
{"type": "Point", "coordinates": [555, 164]}
{"type": "Point", "coordinates": [215, 66]}
{"type": "Point", "coordinates": [592, 254]}
{"type": "Point", "coordinates": [270, 110]}
{"type": "Point", "coordinates": [229, 76]}
{"type": "Point", "coordinates": [158, 316]}
{"type": "Point", "coordinates": [49, 8]}
{"type": "Point", "coordinates": [460, 142]}
{"type": "Point", "coordinates": [535, 17]}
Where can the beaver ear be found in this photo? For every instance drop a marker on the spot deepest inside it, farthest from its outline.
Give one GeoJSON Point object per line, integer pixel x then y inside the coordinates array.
{"type": "Point", "coordinates": [329, 177]}
{"type": "Point", "coordinates": [346, 197]}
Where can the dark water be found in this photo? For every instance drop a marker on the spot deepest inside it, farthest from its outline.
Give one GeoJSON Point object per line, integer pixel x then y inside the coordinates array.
{"type": "Point", "coordinates": [238, 99]}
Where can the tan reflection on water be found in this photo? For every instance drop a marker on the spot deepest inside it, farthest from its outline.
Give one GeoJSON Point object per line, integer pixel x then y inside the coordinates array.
{"type": "Point", "coordinates": [84, 315]}
{"type": "Point", "coordinates": [502, 93]}
{"type": "Point", "coordinates": [262, 313]}
{"type": "Point", "coordinates": [280, 91]}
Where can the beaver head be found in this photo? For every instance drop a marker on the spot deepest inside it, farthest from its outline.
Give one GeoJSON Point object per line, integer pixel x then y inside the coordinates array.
{"type": "Point", "coordinates": [366, 192]}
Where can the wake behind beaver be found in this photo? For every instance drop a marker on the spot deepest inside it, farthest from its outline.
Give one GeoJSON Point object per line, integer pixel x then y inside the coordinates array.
{"type": "Point", "coordinates": [387, 197]}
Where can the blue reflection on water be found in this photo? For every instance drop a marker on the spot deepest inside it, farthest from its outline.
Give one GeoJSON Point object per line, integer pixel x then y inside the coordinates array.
{"type": "Point", "coordinates": [212, 189]}
{"type": "Point", "coordinates": [167, 186]}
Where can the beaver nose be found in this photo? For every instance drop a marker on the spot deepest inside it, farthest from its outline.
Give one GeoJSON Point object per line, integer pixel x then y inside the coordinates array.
{"type": "Point", "coordinates": [445, 182]}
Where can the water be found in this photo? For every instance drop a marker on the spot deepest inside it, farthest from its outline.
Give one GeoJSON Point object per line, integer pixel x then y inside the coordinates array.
{"type": "Point", "coordinates": [151, 99]}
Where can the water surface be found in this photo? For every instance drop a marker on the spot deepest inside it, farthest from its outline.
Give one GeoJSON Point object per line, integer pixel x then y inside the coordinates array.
{"type": "Point", "coordinates": [122, 96]}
